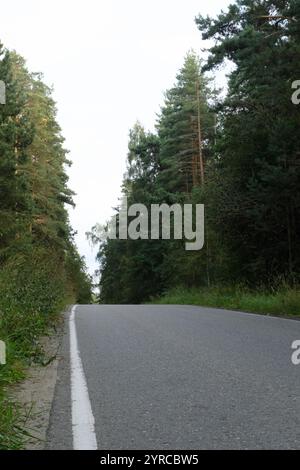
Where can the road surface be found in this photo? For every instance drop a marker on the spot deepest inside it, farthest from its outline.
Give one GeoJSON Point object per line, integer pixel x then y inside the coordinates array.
{"type": "Point", "coordinates": [177, 377]}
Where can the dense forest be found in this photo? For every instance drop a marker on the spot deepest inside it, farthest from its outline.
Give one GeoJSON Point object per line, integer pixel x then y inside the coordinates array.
{"type": "Point", "coordinates": [239, 155]}
{"type": "Point", "coordinates": [40, 269]}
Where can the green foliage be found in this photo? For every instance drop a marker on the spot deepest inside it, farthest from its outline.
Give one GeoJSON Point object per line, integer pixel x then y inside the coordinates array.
{"type": "Point", "coordinates": [178, 128]}
{"type": "Point", "coordinates": [258, 146]}
{"type": "Point", "coordinates": [78, 279]}
{"type": "Point", "coordinates": [31, 298]}
{"type": "Point", "coordinates": [251, 179]}
{"type": "Point", "coordinates": [161, 168]}
{"type": "Point", "coordinates": [284, 301]}
{"type": "Point", "coordinates": [40, 269]}
{"type": "Point", "coordinates": [12, 422]}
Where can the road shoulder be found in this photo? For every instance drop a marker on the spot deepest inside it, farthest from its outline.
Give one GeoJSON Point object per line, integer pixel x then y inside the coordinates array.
{"type": "Point", "coordinates": [35, 394]}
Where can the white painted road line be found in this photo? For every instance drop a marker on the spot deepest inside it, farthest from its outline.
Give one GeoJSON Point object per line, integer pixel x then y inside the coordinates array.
{"type": "Point", "coordinates": [83, 422]}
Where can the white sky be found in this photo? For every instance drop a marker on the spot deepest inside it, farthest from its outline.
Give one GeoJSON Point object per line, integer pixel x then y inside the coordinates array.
{"type": "Point", "coordinates": [110, 62]}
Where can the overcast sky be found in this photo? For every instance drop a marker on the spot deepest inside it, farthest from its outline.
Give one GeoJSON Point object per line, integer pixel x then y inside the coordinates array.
{"type": "Point", "coordinates": [109, 62]}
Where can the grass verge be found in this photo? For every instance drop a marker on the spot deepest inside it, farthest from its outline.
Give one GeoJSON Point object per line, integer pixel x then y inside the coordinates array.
{"type": "Point", "coordinates": [284, 301]}
{"type": "Point", "coordinates": [23, 349]}
{"type": "Point", "coordinates": [33, 293]}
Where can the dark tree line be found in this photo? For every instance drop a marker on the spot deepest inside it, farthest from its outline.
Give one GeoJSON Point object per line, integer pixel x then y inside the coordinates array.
{"type": "Point", "coordinates": [39, 264]}
{"type": "Point", "coordinates": [246, 170]}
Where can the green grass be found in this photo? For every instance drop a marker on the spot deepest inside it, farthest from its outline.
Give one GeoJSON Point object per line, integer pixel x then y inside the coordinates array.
{"type": "Point", "coordinates": [284, 301]}
{"type": "Point", "coordinates": [12, 425]}
{"type": "Point", "coordinates": [33, 294]}
{"type": "Point", "coordinates": [23, 349]}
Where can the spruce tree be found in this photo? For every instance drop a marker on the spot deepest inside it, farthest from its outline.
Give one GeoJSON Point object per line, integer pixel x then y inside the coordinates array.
{"type": "Point", "coordinates": [257, 199]}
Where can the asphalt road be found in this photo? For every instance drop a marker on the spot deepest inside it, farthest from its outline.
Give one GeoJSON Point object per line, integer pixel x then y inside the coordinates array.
{"type": "Point", "coordinates": [175, 377]}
